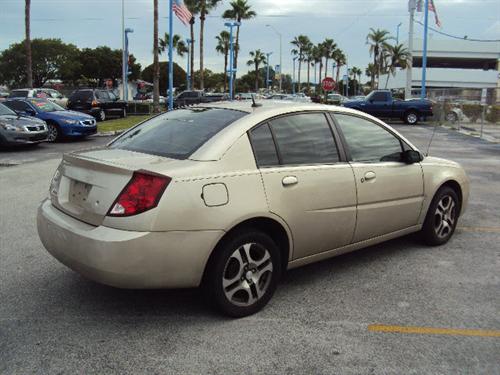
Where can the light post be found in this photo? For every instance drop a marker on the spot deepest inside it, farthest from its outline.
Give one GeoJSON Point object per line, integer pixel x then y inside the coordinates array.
{"type": "Point", "coordinates": [293, 76]}
{"type": "Point", "coordinates": [397, 32]}
{"type": "Point", "coordinates": [267, 70]}
{"type": "Point", "coordinates": [125, 69]}
{"type": "Point", "coordinates": [281, 55]}
{"type": "Point", "coordinates": [188, 70]}
{"type": "Point", "coordinates": [123, 49]}
{"type": "Point", "coordinates": [423, 93]}
{"type": "Point", "coordinates": [232, 70]}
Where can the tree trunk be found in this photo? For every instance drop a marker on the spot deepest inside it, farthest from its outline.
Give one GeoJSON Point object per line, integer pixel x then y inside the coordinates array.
{"type": "Point", "coordinates": [225, 71]}
{"type": "Point", "coordinates": [337, 77]}
{"type": "Point", "coordinates": [256, 78]}
{"type": "Point", "coordinates": [375, 67]}
{"type": "Point", "coordinates": [191, 31]}
{"type": "Point", "coordinates": [326, 67]}
{"type": "Point", "coordinates": [29, 69]}
{"type": "Point", "coordinates": [156, 65]}
{"type": "Point", "coordinates": [298, 73]}
{"type": "Point", "coordinates": [235, 55]}
{"type": "Point", "coordinates": [202, 26]}
{"type": "Point", "coordinates": [320, 70]}
{"type": "Point", "coordinates": [308, 77]}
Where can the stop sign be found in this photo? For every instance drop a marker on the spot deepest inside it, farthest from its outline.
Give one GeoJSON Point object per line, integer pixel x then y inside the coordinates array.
{"type": "Point", "coordinates": [328, 84]}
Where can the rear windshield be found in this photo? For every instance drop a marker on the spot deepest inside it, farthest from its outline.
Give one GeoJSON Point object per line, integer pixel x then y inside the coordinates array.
{"type": "Point", "coordinates": [82, 95]}
{"type": "Point", "coordinates": [179, 133]}
{"type": "Point", "coordinates": [18, 94]}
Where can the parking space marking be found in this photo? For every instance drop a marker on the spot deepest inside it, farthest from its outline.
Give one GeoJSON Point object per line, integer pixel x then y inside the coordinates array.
{"type": "Point", "coordinates": [480, 229]}
{"type": "Point", "coordinates": [433, 331]}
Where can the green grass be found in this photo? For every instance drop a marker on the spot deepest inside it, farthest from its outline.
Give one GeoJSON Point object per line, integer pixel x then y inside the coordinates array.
{"type": "Point", "coordinates": [120, 123]}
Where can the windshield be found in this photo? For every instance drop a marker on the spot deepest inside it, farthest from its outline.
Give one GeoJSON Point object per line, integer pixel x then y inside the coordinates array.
{"type": "Point", "coordinates": [179, 133]}
{"type": "Point", "coordinates": [46, 106]}
{"type": "Point", "coordinates": [4, 111]}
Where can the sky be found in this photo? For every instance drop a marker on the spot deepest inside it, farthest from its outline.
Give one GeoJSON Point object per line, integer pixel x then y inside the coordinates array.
{"type": "Point", "coordinates": [91, 23]}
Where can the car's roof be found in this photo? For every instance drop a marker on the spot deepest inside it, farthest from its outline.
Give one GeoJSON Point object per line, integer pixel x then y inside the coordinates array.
{"type": "Point", "coordinates": [218, 145]}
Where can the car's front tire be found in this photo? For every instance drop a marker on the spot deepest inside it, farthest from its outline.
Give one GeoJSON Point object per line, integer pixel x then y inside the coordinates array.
{"type": "Point", "coordinates": [243, 273]}
{"type": "Point", "coordinates": [53, 134]}
{"type": "Point", "coordinates": [442, 217]}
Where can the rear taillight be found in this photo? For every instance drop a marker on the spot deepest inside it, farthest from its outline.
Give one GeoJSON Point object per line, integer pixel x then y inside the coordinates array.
{"type": "Point", "coordinates": [95, 103]}
{"type": "Point", "coordinates": [142, 193]}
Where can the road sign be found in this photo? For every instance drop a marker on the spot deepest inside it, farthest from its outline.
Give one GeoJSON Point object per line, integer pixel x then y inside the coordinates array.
{"type": "Point", "coordinates": [328, 84]}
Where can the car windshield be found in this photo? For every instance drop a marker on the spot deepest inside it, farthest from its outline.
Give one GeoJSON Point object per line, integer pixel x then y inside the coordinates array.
{"type": "Point", "coordinates": [46, 106]}
{"type": "Point", "coordinates": [5, 111]}
{"type": "Point", "coordinates": [179, 133]}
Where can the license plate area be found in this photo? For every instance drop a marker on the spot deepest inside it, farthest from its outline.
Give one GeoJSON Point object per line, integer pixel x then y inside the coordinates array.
{"type": "Point", "coordinates": [79, 192]}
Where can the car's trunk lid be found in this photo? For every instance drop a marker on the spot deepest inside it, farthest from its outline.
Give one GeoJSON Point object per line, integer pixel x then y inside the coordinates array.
{"type": "Point", "coordinates": [89, 182]}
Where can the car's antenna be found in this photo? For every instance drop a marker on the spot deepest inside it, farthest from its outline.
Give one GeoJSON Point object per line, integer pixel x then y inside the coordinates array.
{"type": "Point", "coordinates": [432, 137]}
{"type": "Point", "coordinates": [255, 105]}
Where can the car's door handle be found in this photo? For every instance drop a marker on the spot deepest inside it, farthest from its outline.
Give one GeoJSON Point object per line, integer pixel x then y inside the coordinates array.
{"type": "Point", "coordinates": [289, 180]}
{"type": "Point", "coordinates": [368, 176]}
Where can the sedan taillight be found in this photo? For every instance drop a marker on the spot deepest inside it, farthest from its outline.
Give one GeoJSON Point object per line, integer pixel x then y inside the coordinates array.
{"type": "Point", "coordinates": [95, 103]}
{"type": "Point", "coordinates": [142, 193]}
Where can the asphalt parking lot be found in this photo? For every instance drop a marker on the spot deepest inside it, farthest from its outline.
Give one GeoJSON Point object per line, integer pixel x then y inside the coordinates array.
{"type": "Point", "coordinates": [395, 308]}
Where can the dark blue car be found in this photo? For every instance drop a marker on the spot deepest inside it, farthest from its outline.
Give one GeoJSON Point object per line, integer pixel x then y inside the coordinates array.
{"type": "Point", "coordinates": [60, 122]}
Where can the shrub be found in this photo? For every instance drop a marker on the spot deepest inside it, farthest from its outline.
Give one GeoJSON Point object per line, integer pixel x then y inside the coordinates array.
{"type": "Point", "coordinates": [472, 111]}
{"type": "Point", "coordinates": [493, 114]}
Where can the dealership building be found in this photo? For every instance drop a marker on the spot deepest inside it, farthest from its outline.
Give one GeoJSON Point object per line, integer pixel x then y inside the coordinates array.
{"type": "Point", "coordinates": [458, 68]}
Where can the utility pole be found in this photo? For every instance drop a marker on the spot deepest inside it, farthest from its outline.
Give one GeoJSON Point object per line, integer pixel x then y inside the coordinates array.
{"type": "Point", "coordinates": [281, 61]}
{"type": "Point", "coordinates": [423, 93]}
{"type": "Point", "coordinates": [124, 73]}
{"type": "Point", "coordinates": [232, 70]}
{"type": "Point", "coordinates": [188, 70]}
{"type": "Point", "coordinates": [412, 5]}
{"type": "Point", "coordinates": [397, 32]}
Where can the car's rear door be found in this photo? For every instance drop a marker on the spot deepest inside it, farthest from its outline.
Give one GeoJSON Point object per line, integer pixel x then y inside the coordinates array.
{"type": "Point", "coordinates": [390, 192]}
{"type": "Point", "coordinates": [306, 180]}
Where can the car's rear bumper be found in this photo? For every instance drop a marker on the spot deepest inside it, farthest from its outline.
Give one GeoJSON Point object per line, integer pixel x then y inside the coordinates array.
{"type": "Point", "coordinates": [126, 259]}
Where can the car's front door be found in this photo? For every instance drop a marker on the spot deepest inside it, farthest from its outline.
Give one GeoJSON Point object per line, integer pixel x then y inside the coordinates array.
{"type": "Point", "coordinates": [306, 181]}
{"type": "Point", "coordinates": [379, 104]}
{"type": "Point", "coordinates": [390, 192]}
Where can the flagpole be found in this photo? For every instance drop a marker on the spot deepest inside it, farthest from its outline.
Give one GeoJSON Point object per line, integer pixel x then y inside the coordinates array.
{"type": "Point", "coordinates": [424, 53]}
{"type": "Point", "coordinates": [170, 55]}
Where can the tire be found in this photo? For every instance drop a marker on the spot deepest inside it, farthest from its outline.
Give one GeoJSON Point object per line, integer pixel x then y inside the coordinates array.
{"type": "Point", "coordinates": [411, 118]}
{"type": "Point", "coordinates": [101, 116]}
{"type": "Point", "coordinates": [452, 117]}
{"type": "Point", "coordinates": [243, 273]}
{"type": "Point", "coordinates": [54, 133]}
{"type": "Point", "coordinates": [442, 216]}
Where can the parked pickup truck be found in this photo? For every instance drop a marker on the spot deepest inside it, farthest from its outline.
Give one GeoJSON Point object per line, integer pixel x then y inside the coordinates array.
{"type": "Point", "coordinates": [196, 97]}
{"type": "Point", "coordinates": [380, 103]}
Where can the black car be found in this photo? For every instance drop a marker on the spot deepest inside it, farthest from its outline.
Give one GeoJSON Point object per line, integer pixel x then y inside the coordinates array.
{"type": "Point", "coordinates": [98, 103]}
{"type": "Point", "coordinates": [196, 97]}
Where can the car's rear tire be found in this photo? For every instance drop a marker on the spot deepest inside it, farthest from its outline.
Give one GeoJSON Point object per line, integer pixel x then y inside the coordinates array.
{"type": "Point", "coordinates": [442, 216]}
{"type": "Point", "coordinates": [54, 134]}
{"type": "Point", "coordinates": [452, 117]}
{"type": "Point", "coordinates": [411, 118]}
{"type": "Point", "coordinates": [101, 116]}
{"type": "Point", "coordinates": [243, 273]}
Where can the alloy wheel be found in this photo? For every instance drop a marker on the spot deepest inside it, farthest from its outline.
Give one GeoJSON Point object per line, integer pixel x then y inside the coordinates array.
{"type": "Point", "coordinates": [102, 115]}
{"type": "Point", "coordinates": [445, 216]}
{"type": "Point", "coordinates": [247, 274]}
{"type": "Point", "coordinates": [53, 132]}
{"type": "Point", "coordinates": [412, 118]}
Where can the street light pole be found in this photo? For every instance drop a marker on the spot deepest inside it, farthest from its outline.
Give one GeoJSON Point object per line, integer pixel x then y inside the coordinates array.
{"type": "Point", "coordinates": [123, 50]}
{"type": "Point", "coordinates": [397, 32]}
{"type": "Point", "coordinates": [125, 76]}
{"type": "Point", "coordinates": [424, 52]}
{"type": "Point", "coordinates": [232, 70]}
{"type": "Point", "coordinates": [188, 70]}
{"type": "Point", "coordinates": [281, 54]}
{"type": "Point", "coordinates": [267, 71]}
{"type": "Point", "coordinates": [411, 8]}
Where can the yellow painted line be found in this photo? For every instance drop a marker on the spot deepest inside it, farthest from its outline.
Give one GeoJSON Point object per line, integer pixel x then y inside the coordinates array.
{"type": "Point", "coordinates": [480, 229]}
{"type": "Point", "coordinates": [433, 331]}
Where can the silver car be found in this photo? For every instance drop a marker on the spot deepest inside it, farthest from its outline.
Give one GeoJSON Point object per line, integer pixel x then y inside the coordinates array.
{"type": "Point", "coordinates": [228, 196]}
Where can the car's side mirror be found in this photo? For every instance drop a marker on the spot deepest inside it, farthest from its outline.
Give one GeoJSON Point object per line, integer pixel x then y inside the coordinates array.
{"type": "Point", "coordinates": [411, 156]}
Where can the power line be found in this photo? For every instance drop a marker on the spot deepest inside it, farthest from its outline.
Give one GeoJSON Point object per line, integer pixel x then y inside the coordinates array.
{"type": "Point", "coordinates": [460, 37]}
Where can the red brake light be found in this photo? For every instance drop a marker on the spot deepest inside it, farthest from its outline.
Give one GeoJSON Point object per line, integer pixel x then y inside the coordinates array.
{"type": "Point", "coordinates": [142, 193]}
{"type": "Point", "coordinates": [95, 103]}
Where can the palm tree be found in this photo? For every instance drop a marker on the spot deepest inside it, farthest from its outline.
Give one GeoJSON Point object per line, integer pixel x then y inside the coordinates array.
{"type": "Point", "coordinates": [397, 56]}
{"type": "Point", "coordinates": [355, 71]}
{"type": "Point", "coordinates": [308, 58]}
{"type": "Point", "coordinates": [340, 60]}
{"type": "Point", "coordinates": [257, 58]}
{"type": "Point", "coordinates": [240, 10]}
{"type": "Point", "coordinates": [319, 59]}
{"type": "Point", "coordinates": [371, 72]}
{"type": "Point", "coordinates": [378, 41]}
{"type": "Point", "coordinates": [156, 65]}
{"type": "Point", "coordinates": [223, 48]}
{"type": "Point", "coordinates": [205, 6]}
{"type": "Point", "coordinates": [192, 5]}
{"type": "Point", "coordinates": [329, 46]}
{"type": "Point", "coordinates": [27, 21]}
{"type": "Point", "coordinates": [302, 42]}
{"type": "Point", "coordinates": [178, 44]}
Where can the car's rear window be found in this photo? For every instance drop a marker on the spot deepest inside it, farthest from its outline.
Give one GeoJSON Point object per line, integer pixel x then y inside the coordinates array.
{"type": "Point", "coordinates": [179, 133]}
{"type": "Point", "coordinates": [18, 94]}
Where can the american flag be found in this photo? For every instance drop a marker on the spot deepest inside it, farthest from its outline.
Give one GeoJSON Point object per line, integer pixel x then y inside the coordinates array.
{"type": "Point", "coordinates": [432, 8]}
{"type": "Point", "coordinates": [182, 12]}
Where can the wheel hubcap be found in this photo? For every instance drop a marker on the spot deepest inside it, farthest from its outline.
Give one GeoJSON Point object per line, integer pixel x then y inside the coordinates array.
{"type": "Point", "coordinates": [412, 118]}
{"type": "Point", "coordinates": [247, 274]}
{"type": "Point", "coordinates": [444, 218]}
